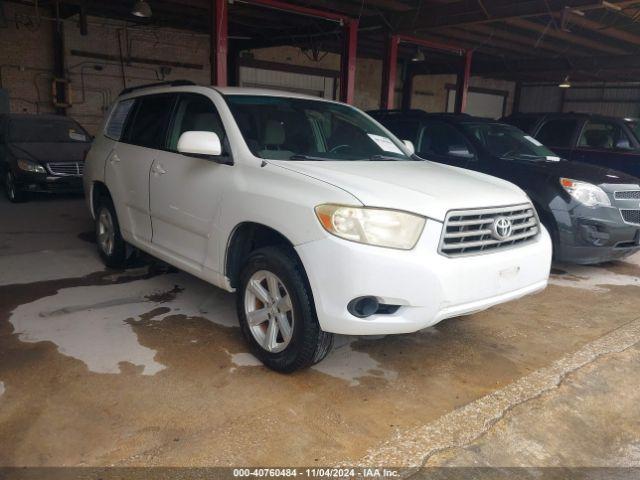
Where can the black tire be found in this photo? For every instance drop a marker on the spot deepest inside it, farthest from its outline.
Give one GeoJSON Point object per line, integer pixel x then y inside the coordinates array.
{"type": "Point", "coordinates": [117, 257]}
{"type": "Point", "coordinates": [14, 193]}
{"type": "Point", "coordinates": [309, 344]}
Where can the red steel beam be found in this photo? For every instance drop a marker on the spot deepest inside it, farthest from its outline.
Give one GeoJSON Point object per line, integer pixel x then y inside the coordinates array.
{"type": "Point", "coordinates": [302, 10]}
{"type": "Point", "coordinates": [389, 73]}
{"type": "Point", "coordinates": [430, 44]}
{"type": "Point", "coordinates": [462, 90]}
{"type": "Point", "coordinates": [219, 42]}
{"type": "Point", "coordinates": [348, 60]}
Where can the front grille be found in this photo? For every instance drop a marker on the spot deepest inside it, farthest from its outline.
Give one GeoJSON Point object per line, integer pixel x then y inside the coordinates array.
{"type": "Point", "coordinates": [468, 232]}
{"type": "Point", "coordinates": [628, 195]}
{"type": "Point", "coordinates": [66, 168]}
{"type": "Point", "coordinates": [631, 216]}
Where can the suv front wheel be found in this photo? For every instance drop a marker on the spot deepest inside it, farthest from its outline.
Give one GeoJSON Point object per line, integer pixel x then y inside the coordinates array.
{"type": "Point", "coordinates": [14, 193]}
{"type": "Point", "coordinates": [276, 312]}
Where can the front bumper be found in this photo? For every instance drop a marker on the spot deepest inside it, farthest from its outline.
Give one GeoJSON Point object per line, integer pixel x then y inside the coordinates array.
{"type": "Point", "coordinates": [428, 287]}
{"type": "Point", "coordinates": [45, 183]}
{"type": "Point", "coordinates": [594, 235]}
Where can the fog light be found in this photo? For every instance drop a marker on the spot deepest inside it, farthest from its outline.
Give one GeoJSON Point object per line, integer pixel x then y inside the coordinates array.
{"type": "Point", "coordinates": [363, 307]}
{"type": "Point", "coordinates": [594, 235]}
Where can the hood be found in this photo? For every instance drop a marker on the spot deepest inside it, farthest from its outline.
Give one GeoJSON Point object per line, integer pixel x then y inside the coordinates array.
{"type": "Point", "coordinates": [574, 170]}
{"type": "Point", "coordinates": [50, 152]}
{"type": "Point", "coordinates": [427, 188]}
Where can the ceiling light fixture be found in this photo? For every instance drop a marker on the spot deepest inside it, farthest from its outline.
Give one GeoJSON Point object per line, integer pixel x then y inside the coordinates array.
{"type": "Point", "coordinates": [418, 56]}
{"type": "Point", "coordinates": [141, 9]}
{"type": "Point", "coordinates": [565, 83]}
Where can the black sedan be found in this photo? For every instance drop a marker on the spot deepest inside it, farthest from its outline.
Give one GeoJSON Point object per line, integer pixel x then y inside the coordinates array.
{"type": "Point", "coordinates": [604, 141]}
{"type": "Point", "coordinates": [592, 213]}
{"type": "Point", "coordinates": [41, 153]}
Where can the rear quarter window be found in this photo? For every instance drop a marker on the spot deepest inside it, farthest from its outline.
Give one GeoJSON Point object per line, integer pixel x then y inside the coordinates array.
{"type": "Point", "coordinates": [118, 119]}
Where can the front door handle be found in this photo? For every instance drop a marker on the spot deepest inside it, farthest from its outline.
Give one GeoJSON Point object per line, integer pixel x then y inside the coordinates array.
{"type": "Point", "coordinates": [159, 169]}
{"type": "Point", "coordinates": [114, 159]}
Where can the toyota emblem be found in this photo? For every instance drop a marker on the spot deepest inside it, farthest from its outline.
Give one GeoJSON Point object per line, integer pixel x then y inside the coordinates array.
{"type": "Point", "coordinates": [502, 228]}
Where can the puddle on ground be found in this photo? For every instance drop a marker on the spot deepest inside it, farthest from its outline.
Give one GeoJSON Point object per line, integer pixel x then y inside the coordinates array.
{"type": "Point", "coordinates": [352, 365]}
{"type": "Point", "coordinates": [343, 362]}
{"type": "Point", "coordinates": [92, 323]}
{"type": "Point", "coordinates": [593, 278]}
{"type": "Point", "coordinates": [95, 324]}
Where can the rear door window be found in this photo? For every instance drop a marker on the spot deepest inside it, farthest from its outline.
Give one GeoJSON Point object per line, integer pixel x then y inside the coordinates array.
{"type": "Point", "coordinates": [604, 135]}
{"type": "Point", "coordinates": [440, 138]}
{"type": "Point", "coordinates": [403, 129]}
{"type": "Point", "coordinates": [150, 121]}
{"type": "Point", "coordinates": [526, 124]}
{"type": "Point", "coordinates": [558, 132]}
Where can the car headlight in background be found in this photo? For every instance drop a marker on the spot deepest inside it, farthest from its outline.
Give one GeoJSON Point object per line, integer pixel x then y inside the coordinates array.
{"type": "Point", "coordinates": [586, 193]}
{"type": "Point", "coordinates": [372, 226]}
{"type": "Point", "coordinates": [29, 166]}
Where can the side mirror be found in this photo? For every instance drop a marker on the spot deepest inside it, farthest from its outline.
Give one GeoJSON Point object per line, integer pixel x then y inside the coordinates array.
{"type": "Point", "coordinates": [460, 151]}
{"type": "Point", "coordinates": [200, 143]}
{"type": "Point", "coordinates": [409, 145]}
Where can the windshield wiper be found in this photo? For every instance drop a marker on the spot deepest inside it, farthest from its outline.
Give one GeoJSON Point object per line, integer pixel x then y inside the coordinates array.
{"type": "Point", "coordinates": [299, 156]}
{"type": "Point", "coordinates": [523, 156]}
{"type": "Point", "coordinates": [383, 158]}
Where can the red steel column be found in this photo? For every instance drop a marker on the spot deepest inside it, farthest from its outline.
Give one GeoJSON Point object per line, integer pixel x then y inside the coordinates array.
{"type": "Point", "coordinates": [348, 60]}
{"type": "Point", "coordinates": [462, 90]}
{"type": "Point", "coordinates": [219, 42]}
{"type": "Point", "coordinates": [389, 73]}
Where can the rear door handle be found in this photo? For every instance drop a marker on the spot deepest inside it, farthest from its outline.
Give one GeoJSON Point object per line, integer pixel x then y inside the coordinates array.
{"type": "Point", "coordinates": [159, 169]}
{"type": "Point", "coordinates": [114, 159]}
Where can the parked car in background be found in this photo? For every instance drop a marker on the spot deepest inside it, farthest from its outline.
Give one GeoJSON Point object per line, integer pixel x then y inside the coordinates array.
{"type": "Point", "coordinates": [320, 219]}
{"type": "Point", "coordinates": [592, 213]}
{"type": "Point", "coordinates": [605, 141]}
{"type": "Point", "coordinates": [41, 153]}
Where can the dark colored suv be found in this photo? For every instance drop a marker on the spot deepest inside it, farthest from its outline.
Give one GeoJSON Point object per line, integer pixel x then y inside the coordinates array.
{"type": "Point", "coordinates": [606, 141]}
{"type": "Point", "coordinates": [41, 153]}
{"type": "Point", "coordinates": [592, 213]}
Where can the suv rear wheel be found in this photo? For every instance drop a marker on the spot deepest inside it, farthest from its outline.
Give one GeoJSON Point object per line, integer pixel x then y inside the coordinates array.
{"type": "Point", "coordinates": [111, 245]}
{"type": "Point", "coordinates": [276, 312]}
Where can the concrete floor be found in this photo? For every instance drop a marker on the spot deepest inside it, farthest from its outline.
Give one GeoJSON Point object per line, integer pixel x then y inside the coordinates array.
{"type": "Point", "coordinates": [148, 367]}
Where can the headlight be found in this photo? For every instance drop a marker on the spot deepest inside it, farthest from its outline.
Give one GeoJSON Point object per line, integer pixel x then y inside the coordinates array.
{"type": "Point", "coordinates": [372, 226]}
{"type": "Point", "coordinates": [585, 193]}
{"type": "Point", "coordinates": [29, 166]}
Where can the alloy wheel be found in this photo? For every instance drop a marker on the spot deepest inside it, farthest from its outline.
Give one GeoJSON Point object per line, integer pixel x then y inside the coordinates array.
{"type": "Point", "coordinates": [269, 312]}
{"type": "Point", "coordinates": [10, 186]}
{"type": "Point", "coordinates": [106, 232]}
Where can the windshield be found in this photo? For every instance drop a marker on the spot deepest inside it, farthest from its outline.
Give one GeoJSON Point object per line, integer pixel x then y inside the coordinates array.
{"type": "Point", "coordinates": [39, 130]}
{"type": "Point", "coordinates": [282, 128]}
{"type": "Point", "coordinates": [634, 125]}
{"type": "Point", "coordinates": [508, 142]}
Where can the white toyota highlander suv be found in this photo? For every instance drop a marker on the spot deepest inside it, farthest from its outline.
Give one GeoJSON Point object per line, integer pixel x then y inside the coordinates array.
{"type": "Point", "coordinates": [318, 217]}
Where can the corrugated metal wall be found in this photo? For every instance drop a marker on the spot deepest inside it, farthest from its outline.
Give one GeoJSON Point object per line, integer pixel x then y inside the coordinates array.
{"type": "Point", "coordinates": [292, 82]}
{"type": "Point", "coordinates": [617, 101]}
{"type": "Point", "coordinates": [540, 99]}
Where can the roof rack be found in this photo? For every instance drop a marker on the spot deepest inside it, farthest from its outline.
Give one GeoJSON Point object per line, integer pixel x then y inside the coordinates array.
{"type": "Point", "coordinates": [172, 83]}
{"type": "Point", "coordinates": [395, 111]}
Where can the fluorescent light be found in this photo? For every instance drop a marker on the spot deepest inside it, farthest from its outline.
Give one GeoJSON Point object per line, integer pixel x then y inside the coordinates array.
{"type": "Point", "coordinates": [565, 83]}
{"type": "Point", "coordinates": [141, 9]}
{"type": "Point", "coordinates": [419, 56]}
